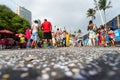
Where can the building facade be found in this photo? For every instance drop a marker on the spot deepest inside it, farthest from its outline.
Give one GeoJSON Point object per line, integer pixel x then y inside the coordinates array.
{"type": "Point", "coordinates": [114, 23]}
{"type": "Point", "coordinates": [24, 13]}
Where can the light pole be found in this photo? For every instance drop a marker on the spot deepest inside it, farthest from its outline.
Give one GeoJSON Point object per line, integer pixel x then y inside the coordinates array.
{"type": "Point", "coordinates": [99, 12]}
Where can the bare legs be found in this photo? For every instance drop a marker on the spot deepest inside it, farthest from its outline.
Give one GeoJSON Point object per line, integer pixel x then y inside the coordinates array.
{"type": "Point", "coordinates": [112, 43]}
{"type": "Point", "coordinates": [93, 42]}
{"type": "Point", "coordinates": [34, 44]}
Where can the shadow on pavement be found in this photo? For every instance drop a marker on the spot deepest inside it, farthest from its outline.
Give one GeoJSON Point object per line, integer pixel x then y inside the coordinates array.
{"type": "Point", "coordinates": [106, 67]}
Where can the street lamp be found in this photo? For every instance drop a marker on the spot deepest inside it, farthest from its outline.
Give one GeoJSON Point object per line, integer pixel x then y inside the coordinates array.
{"type": "Point", "coordinates": [99, 11]}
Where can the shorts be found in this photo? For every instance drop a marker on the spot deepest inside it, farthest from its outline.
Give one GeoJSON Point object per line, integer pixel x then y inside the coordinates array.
{"type": "Point", "coordinates": [35, 36]}
{"type": "Point", "coordinates": [47, 35]}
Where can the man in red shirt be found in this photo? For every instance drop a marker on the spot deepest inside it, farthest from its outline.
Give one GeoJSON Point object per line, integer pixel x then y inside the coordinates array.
{"type": "Point", "coordinates": [47, 28]}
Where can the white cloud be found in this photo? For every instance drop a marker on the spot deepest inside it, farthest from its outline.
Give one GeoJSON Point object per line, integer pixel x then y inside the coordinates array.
{"type": "Point", "coordinates": [68, 13]}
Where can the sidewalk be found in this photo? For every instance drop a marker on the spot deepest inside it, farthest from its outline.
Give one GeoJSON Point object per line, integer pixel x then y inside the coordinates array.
{"type": "Point", "coordinates": [68, 63]}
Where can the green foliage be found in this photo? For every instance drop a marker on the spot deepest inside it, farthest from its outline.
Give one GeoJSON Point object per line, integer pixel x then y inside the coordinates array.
{"type": "Point", "coordinates": [6, 16]}
{"type": "Point", "coordinates": [20, 24]}
{"type": "Point", "coordinates": [40, 33]}
{"type": "Point", "coordinates": [11, 21]}
{"type": "Point", "coordinates": [103, 5]}
{"type": "Point", "coordinates": [91, 13]}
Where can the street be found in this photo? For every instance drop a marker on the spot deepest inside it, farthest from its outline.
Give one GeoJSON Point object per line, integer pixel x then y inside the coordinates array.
{"type": "Point", "coordinates": [66, 63]}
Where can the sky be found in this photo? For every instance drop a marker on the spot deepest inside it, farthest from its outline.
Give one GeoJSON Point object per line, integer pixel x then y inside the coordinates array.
{"type": "Point", "coordinates": [70, 14]}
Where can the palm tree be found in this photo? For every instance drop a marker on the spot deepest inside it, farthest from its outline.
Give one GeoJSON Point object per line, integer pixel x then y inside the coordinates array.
{"type": "Point", "coordinates": [91, 13]}
{"type": "Point", "coordinates": [79, 30]}
{"type": "Point", "coordinates": [103, 5]}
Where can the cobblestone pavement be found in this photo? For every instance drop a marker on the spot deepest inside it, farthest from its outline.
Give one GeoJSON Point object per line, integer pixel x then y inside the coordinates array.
{"type": "Point", "coordinates": [70, 63]}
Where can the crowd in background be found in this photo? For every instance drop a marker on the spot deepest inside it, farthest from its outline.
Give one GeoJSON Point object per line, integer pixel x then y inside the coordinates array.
{"type": "Point", "coordinates": [100, 36]}
{"type": "Point", "coordinates": [97, 36]}
{"type": "Point", "coordinates": [61, 38]}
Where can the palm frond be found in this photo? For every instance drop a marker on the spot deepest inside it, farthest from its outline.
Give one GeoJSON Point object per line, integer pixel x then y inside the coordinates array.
{"type": "Point", "coordinates": [103, 4]}
{"type": "Point", "coordinates": [90, 12]}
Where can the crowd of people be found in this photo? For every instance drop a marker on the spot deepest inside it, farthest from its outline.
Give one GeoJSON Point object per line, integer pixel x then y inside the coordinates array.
{"type": "Point", "coordinates": [50, 39]}
{"type": "Point", "coordinates": [100, 36]}
{"type": "Point", "coordinates": [61, 38]}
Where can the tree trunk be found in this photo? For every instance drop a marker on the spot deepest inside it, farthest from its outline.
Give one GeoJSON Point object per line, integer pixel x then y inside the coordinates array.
{"type": "Point", "coordinates": [105, 19]}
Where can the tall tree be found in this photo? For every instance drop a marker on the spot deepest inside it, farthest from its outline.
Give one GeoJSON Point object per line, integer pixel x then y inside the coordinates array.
{"type": "Point", "coordinates": [19, 24]}
{"type": "Point", "coordinates": [6, 16]}
{"type": "Point", "coordinates": [103, 5]}
{"type": "Point", "coordinates": [91, 13]}
{"type": "Point", "coordinates": [11, 21]}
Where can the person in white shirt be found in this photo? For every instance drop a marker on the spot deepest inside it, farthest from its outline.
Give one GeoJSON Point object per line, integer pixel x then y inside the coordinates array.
{"type": "Point", "coordinates": [34, 29]}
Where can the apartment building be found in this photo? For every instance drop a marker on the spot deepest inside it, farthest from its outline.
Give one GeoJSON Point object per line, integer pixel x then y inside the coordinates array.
{"type": "Point", "coordinates": [24, 13]}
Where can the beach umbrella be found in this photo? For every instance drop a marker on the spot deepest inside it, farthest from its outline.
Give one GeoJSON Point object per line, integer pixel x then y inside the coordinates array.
{"type": "Point", "coordinates": [6, 31]}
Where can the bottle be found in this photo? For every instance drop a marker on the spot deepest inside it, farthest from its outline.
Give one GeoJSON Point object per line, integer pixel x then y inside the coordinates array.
{"type": "Point", "coordinates": [44, 45]}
